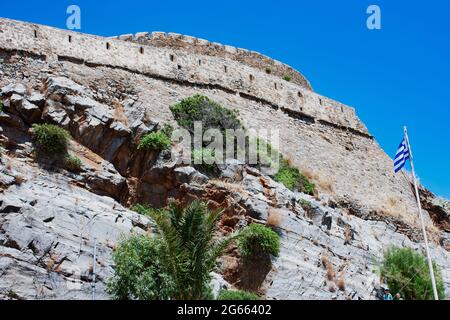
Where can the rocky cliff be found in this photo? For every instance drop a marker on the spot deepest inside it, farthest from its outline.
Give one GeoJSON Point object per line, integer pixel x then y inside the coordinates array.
{"type": "Point", "coordinates": [109, 92]}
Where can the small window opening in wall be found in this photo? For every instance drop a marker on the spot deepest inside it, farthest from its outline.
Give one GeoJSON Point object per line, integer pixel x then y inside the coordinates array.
{"type": "Point", "coordinates": [35, 33]}
{"type": "Point", "coordinates": [320, 101]}
{"type": "Point", "coordinates": [342, 109]}
{"type": "Point", "coordinates": [276, 87]}
{"type": "Point", "coordinates": [70, 38]}
{"type": "Point", "coordinates": [141, 50]}
{"type": "Point", "coordinates": [172, 58]}
{"type": "Point", "coordinates": [199, 62]}
{"type": "Point", "coordinates": [108, 46]}
{"type": "Point", "coordinates": [225, 68]}
{"type": "Point", "coordinates": [179, 67]}
{"type": "Point", "coordinates": [299, 94]}
{"type": "Point", "coordinates": [252, 77]}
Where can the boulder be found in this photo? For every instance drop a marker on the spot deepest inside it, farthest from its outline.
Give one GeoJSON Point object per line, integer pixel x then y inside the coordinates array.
{"type": "Point", "coordinates": [30, 112]}
{"type": "Point", "coordinates": [13, 88]}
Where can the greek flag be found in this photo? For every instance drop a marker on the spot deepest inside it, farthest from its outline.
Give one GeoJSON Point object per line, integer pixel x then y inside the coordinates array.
{"type": "Point", "coordinates": [401, 156]}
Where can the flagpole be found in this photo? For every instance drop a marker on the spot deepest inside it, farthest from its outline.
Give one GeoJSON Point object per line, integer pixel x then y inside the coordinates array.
{"type": "Point", "coordinates": [430, 264]}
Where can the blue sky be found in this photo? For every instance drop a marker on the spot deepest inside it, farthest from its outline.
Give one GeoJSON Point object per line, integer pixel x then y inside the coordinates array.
{"type": "Point", "coordinates": [399, 75]}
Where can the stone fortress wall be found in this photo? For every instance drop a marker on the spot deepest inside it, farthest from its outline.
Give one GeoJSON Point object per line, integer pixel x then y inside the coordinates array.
{"type": "Point", "coordinates": [164, 56]}
{"type": "Point", "coordinates": [319, 134]}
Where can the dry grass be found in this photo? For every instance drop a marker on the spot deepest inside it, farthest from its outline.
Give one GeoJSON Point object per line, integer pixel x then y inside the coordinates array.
{"type": "Point", "coordinates": [348, 235]}
{"type": "Point", "coordinates": [329, 268]}
{"type": "Point", "coordinates": [233, 187]}
{"type": "Point", "coordinates": [323, 184]}
{"type": "Point", "coordinates": [340, 283]}
{"type": "Point", "coordinates": [18, 180]}
{"type": "Point", "coordinates": [397, 208]}
{"type": "Point", "coordinates": [275, 218]}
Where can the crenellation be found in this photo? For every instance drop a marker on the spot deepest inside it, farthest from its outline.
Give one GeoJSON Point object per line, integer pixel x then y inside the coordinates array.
{"type": "Point", "coordinates": [141, 36]}
{"type": "Point", "coordinates": [126, 37]}
{"type": "Point", "coordinates": [221, 66]}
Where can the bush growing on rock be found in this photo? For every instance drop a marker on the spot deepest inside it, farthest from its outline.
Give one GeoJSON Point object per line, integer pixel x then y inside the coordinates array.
{"type": "Point", "coordinates": [406, 272]}
{"type": "Point", "coordinates": [50, 139]}
{"type": "Point", "coordinates": [287, 78]}
{"type": "Point", "coordinates": [139, 271]}
{"type": "Point", "coordinates": [142, 209]}
{"type": "Point", "coordinates": [73, 163]}
{"type": "Point", "coordinates": [204, 160]}
{"type": "Point", "coordinates": [256, 240]}
{"type": "Point", "coordinates": [293, 179]}
{"type": "Point", "coordinates": [1, 105]}
{"type": "Point", "coordinates": [209, 112]}
{"type": "Point", "coordinates": [177, 262]}
{"type": "Point", "coordinates": [155, 141]}
{"type": "Point", "coordinates": [167, 129]}
{"type": "Point", "coordinates": [236, 295]}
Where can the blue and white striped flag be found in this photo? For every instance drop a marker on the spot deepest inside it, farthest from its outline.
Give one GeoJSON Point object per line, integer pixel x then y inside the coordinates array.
{"type": "Point", "coordinates": [401, 156]}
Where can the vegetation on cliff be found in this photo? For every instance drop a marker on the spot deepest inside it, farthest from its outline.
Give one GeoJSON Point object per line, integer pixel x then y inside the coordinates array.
{"type": "Point", "coordinates": [257, 240]}
{"type": "Point", "coordinates": [155, 141]}
{"type": "Point", "coordinates": [406, 271]}
{"type": "Point", "coordinates": [210, 113]}
{"type": "Point", "coordinates": [236, 295]}
{"type": "Point", "coordinates": [293, 179]}
{"type": "Point", "coordinates": [204, 160]}
{"type": "Point", "coordinates": [50, 139]}
{"type": "Point", "coordinates": [177, 262]}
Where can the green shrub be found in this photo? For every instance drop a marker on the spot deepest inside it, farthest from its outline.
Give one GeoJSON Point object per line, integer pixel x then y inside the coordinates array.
{"type": "Point", "coordinates": [236, 295]}
{"type": "Point", "coordinates": [1, 105]}
{"type": "Point", "coordinates": [204, 160]}
{"type": "Point", "coordinates": [256, 240]}
{"type": "Point", "coordinates": [73, 163]}
{"type": "Point", "coordinates": [155, 141]}
{"type": "Point", "coordinates": [293, 179]}
{"type": "Point", "coordinates": [177, 263]}
{"type": "Point", "coordinates": [142, 209]}
{"type": "Point", "coordinates": [139, 272]}
{"type": "Point", "coordinates": [287, 78]}
{"type": "Point", "coordinates": [406, 271]}
{"type": "Point", "coordinates": [50, 139]}
{"type": "Point", "coordinates": [167, 129]}
{"type": "Point", "coordinates": [267, 155]}
{"type": "Point", "coordinates": [210, 113]}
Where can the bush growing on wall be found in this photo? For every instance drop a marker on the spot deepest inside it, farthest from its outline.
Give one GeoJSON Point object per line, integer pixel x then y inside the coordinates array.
{"type": "Point", "coordinates": [293, 179]}
{"type": "Point", "coordinates": [209, 112]}
{"type": "Point", "coordinates": [406, 271]}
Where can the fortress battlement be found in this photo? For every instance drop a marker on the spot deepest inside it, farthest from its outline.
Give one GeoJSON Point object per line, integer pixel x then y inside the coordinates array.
{"type": "Point", "coordinates": [180, 58]}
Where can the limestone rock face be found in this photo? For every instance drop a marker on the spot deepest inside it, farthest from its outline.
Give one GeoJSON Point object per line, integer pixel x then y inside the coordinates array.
{"type": "Point", "coordinates": [51, 215]}
{"type": "Point", "coordinates": [48, 228]}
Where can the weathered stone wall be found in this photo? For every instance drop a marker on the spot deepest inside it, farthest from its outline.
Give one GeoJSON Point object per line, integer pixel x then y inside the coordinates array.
{"type": "Point", "coordinates": [176, 65]}
{"type": "Point", "coordinates": [319, 134]}
{"type": "Point", "coordinates": [205, 47]}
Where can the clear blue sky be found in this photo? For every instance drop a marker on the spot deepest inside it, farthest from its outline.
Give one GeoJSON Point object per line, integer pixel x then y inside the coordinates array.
{"type": "Point", "coordinates": [395, 76]}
